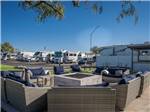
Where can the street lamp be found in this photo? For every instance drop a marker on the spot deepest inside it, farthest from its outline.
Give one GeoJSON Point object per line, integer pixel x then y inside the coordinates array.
{"type": "Point", "coordinates": [91, 35]}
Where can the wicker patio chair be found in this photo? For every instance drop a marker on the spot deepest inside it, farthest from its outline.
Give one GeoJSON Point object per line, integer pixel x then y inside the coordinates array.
{"type": "Point", "coordinates": [145, 82]}
{"type": "Point", "coordinates": [113, 75]}
{"type": "Point", "coordinates": [81, 99]}
{"type": "Point", "coordinates": [25, 98]}
{"type": "Point", "coordinates": [3, 90]}
{"type": "Point", "coordinates": [39, 77]}
{"type": "Point", "coordinates": [75, 68]}
{"type": "Point", "coordinates": [126, 93]}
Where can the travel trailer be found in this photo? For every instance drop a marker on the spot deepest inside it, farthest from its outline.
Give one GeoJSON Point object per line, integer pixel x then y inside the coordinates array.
{"type": "Point", "coordinates": [116, 55]}
{"type": "Point", "coordinates": [135, 56]}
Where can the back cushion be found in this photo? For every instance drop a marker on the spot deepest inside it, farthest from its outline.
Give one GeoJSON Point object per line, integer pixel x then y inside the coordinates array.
{"type": "Point", "coordinates": [5, 73]}
{"type": "Point", "coordinates": [58, 69]}
{"type": "Point", "coordinates": [16, 74]}
{"type": "Point", "coordinates": [126, 79]}
{"type": "Point", "coordinates": [75, 68]}
{"type": "Point", "coordinates": [98, 70]}
{"type": "Point", "coordinates": [112, 71]}
{"type": "Point", "coordinates": [37, 71]}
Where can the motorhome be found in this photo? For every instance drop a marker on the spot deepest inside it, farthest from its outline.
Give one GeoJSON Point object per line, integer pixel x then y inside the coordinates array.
{"type": "Point", "coordinates": [58, 57]}
{"type": "Point", "coordinates": [13, 56]}
{"type": "Point", "coordinates": [4, 56]}
{"type": "Point", "coordinates": [65, 56]}
{"type": "Point", "coordinates": [40, 56]}
{"type": "Point", "coordinates": [24, 56]}
{"type": "Point", "coordinates": [86, 58]}
{"type": "Point", "coordinates": [71, 56]}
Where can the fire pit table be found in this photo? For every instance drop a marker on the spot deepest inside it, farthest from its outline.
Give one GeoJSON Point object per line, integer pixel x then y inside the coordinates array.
{"type": "Point", "coordinates": [77, 79]}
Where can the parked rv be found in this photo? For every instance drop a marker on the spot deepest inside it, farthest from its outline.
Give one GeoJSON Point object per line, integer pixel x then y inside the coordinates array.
{"type": "Point", "coordinates": [4, 56]}
{"type": "Point", "coordinates": [13, 56]}
{"type": "Point", "coordinates": [66, 56]}
{"type": "Point", "coordinates": [70, 57]}
{"type": "Point", "coordinates": [49, 58]}
{"type": "Point", "coordinates": [58, 57]}
{"type": "Point", "coordinates": [24, 56]}
{"type": "Point", "coordinates": [86, 60]}
{"type": "Point", "coordinates": [40, 56]}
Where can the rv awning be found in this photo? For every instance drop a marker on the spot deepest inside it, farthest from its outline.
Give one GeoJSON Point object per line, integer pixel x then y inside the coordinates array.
{"type": "Point", "coordinates": [139, 46]}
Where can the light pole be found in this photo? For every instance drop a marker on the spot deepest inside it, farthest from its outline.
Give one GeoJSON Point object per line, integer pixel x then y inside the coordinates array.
{"type": "Point", "coordinates": [91, 35]}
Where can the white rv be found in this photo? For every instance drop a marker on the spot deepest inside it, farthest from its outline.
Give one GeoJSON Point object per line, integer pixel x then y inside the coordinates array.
{"type": "Point", "coordinates": [13, 55]}
{"type": "Point", "coordinates": [24, 56]}
{"type": "Point", "coordinates": [72, 56]}
{"type": "Point", "coordinates": [64, 56]}
{"type": "Point", "coordinates": [40, 56]}
{"type": "Point", "coordinates": [58, 57]}
{"type": "Point", "coordinates": [4, 56]}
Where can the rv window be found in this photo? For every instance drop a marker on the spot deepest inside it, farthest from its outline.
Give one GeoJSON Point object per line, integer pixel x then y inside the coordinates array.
{"type": "Point", "coordinates": [66, 54]}
{"type": "Point", "coordinates": [144, 53]}
{"type": "Point", "coordinates": [79, 55]}
{"type": "Point", "coordinates": [37, 53]}
{"type": "Point", "coordinates": [71, 54]}
{"type": "Point", "coordinates": [144, 56]}
{"type": "Point", "coordinates": [58, 54]}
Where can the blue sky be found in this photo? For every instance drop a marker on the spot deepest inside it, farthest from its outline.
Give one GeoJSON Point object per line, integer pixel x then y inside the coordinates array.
{"type": "Point", "coordinates": [21, 29]}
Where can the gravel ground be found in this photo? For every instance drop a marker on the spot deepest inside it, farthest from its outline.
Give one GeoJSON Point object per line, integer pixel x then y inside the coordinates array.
{"type": "Point", "coordinates": [47, 66]}
{"type": "Point", "coordinates": [32, 64]}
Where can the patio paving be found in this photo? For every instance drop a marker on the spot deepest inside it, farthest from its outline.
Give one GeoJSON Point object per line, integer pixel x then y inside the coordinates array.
{"type": "Point", "coordinates": [141, 104]}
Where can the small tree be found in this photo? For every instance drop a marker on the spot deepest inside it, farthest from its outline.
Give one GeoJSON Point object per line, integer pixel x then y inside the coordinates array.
{"type": "Point", "coordinates": [7, 47]}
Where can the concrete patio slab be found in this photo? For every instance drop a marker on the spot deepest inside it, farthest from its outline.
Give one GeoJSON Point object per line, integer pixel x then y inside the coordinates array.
{"type": "Point", "coordinates": [141, 104]}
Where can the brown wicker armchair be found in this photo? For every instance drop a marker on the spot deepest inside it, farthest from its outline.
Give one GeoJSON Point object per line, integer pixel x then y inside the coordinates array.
{"type": "Point", "coordinates": [126, 93]}
{"type": "Point", "coordinates": [81, 99]}
{"type": "Point", "coordinates": [39, 77]}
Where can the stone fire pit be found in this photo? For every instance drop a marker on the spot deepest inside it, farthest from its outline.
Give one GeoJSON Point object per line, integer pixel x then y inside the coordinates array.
{"type": "Point", "coordinates": [77, 79]}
